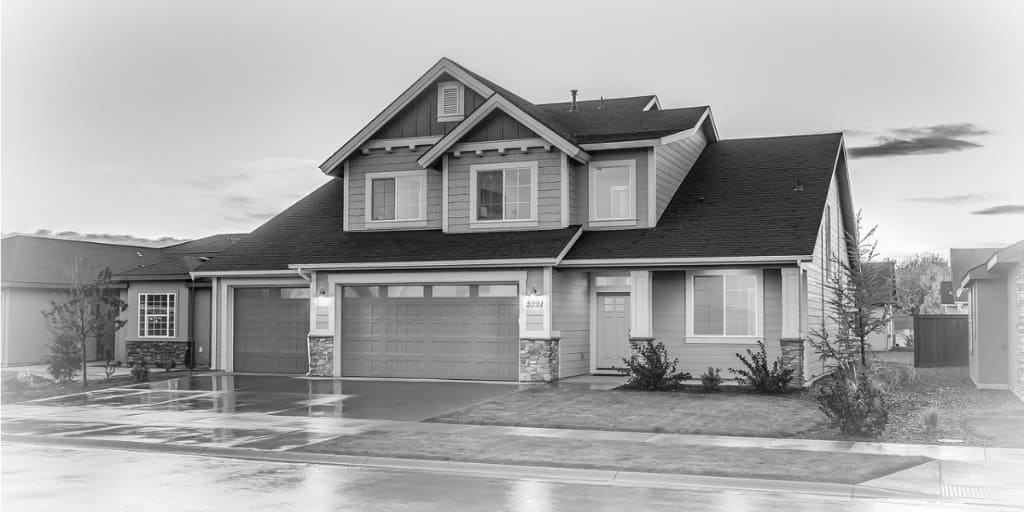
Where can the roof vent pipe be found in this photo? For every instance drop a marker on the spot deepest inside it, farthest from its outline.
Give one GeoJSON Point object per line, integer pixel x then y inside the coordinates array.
{"type": "Point", "coordinates": [573, 107]}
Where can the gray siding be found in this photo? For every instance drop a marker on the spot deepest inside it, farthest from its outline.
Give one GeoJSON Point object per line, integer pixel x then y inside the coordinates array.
{"type": "Point", "coordinates": [549, 169]}
{"type": "Point", "coordinates": [498, 126]}
{"type": "Point", "coordinates": [669, 298]}
{"type": "Point", "coordinates": [674, 162]}
{"type": "Point", "coordinates": [580, 213]}
{"type": "Point", "coordinates": [400, 159]}
{"type": "Point", "coordinates": [419, 117]}
{"type": "Point", "coordinates": [571, 316]}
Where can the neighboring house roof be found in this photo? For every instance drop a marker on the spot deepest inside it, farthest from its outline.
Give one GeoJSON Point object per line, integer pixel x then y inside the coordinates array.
{"type": "Point", "coordinates": [43, 261]}
{"type": "Point", "coordinates": [737, 201]}
{"type": "Point", "coordinates": [619, 119]}
{"type": "Point", "coordinates": [309, 233]}
{"type": "Point", "coordinates": [881, 277]}
{"type": "Point", "coordinates": [996, 263]}
{"type": "Point", "coordinates": [182, 259]}
{"type": "Point", "coordinates": [962, 260]}
{"type": "Point", "coordinates": [205, 246]}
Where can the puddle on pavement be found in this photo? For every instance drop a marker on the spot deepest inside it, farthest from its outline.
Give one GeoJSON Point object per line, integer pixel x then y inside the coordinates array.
{"type": "Point", "coordinates": [50, 427]}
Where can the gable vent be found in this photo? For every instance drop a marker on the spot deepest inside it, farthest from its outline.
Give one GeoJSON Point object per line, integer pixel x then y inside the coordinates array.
{"type": "Point", "coordinates": [449, 101]}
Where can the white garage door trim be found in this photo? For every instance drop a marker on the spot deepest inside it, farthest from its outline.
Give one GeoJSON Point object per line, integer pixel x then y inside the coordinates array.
{"type": "Point", "coordinates": [225, 304]}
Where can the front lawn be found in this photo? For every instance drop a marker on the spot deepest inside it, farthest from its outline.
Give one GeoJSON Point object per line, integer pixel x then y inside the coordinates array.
{"type": "Point", "coordinates": [648, 457]}
{"type": "Point", "coordinates": [728, 414]}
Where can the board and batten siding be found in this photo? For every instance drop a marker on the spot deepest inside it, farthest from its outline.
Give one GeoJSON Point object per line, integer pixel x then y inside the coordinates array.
{"type": "Point", "coordinates": [580, 213]}
{"type": "Point", "coordinates": [570, 316]}
{"type": "Point", "coordinates": [674, 161]}
{"type": "Point", "coordinates": [669, 317]}
{"type": "Point", "coordinates": [419, 117]}
{"type": "Point", "coordinates": [549, 188]}
{"type": "Point", "coordinates": [498, 126]}
{"type": "Point", "coordinates": [816, 282]}
{"type": "Point", "coordinates": [400, 159]}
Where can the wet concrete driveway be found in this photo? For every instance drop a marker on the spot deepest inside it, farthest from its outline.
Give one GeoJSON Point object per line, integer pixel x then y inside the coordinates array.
{"type": "Point", "coordinates": [293, 396]}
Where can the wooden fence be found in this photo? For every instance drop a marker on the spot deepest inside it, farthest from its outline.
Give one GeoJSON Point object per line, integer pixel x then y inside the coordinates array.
{"type": "Point", "coordinates": [940, 340]}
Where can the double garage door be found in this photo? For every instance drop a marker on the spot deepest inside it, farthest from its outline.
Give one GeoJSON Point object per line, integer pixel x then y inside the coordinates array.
{"type": "Point", "coordinates": [411, 331]}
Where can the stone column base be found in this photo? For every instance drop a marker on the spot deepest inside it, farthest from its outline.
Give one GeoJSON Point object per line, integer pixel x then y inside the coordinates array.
{"type": "Point", "coordinates": [156, 351]}
{"type": "Point", "coordinates": [538, 359]}
{"type": "Point", "coordinates": [321, 356]}
{"type": "Point", "coordinates": [793, 358]}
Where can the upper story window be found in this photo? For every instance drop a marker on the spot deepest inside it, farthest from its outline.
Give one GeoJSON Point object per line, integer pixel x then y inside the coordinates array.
{"type": "Point", "coordinates": [396, 196]}
{"type": "Point", "coordinates": [504, 193]}
{"type": "Point", "coordinates": [613, 192]}
{"type": "Point", "coordinates": [156, 314]}
{"type": "Point", "coordinates": [724, 306]}
{"type": "Point", "coordinates": [450, 102]}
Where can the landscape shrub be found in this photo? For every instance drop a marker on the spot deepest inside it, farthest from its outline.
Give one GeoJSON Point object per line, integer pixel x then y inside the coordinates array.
{"type": "Point", "coordinates": [908, 339]}
{"type": "Point", "coordinates": [168, 366]}
{"type": "Point", "coordinates": [857, 408]}
{"type": "Point", "coordinates": [759, 376]}
{"type": "Point", "coordinates": [140, 372]}
{"type": "Point", "coordinates": [711, 380]}
{"type": "Point", "coordinates": [65, 358]}
{"type": "Point", "coordinates": [108, 370]}
{"type": "Point", "coordinates": [650, 369]}
{"type": "Point", "coordinates": [930, 419]}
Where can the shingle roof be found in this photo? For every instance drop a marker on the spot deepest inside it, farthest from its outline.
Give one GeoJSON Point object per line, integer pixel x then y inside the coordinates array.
{"type": "Point", "coordinates": [174, 267]}
{"type": "Point", "coordinates": [206, 246]}
{"type": "Point", "coordinates": [32, 260]}
{"type": "Point", "coordinates": [310, 232]}
{"type": "Point", "coordinates": [738, 200]}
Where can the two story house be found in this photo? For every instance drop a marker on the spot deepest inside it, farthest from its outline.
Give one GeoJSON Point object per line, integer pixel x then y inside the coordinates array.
{"type": "Point", "coordinates": [468, 233]}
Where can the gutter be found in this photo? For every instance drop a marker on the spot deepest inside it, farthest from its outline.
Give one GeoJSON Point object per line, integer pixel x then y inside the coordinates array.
{"type": "Point", "coordinates": [525, 262]}
{"type": "Point", "coordinates": [634, 262]}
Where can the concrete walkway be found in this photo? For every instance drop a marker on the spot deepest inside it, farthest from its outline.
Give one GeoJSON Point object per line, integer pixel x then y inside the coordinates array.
{"type": "Point", "coordinates": [958, 473]}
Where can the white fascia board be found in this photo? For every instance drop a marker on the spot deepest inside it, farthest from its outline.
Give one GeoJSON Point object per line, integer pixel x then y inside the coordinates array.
{"type": "Point", "coordinates": [726, 260]}
{"type": "Point", "coordinates": [674, 137]}
{"type": "Point", "coordinates": [568, 246]}
{"type": "Point", "coordinates": [241, 273]}
{"type": "Point", "coordinates": [653, 103]}
{"type": "Point", "coordinates": [524, 262]}
{"type": "Point", "coordinates": [408, 142]}
{"type": "Point", "coordinates": [442, 66]}
{"type": "Point", "coordinates": [626, 144]}
{"type": "Point", "coordinates": [493, 103]}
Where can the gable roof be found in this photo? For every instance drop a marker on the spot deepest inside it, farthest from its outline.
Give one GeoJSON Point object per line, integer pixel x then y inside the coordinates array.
{"type": "Point", "coordinates": [309, 233]}
{"type": "Point", "coordinates": [619, 119]}
{"type": "Point", "coordinates": [51, 262]}
{"type": "Point", "coordinates": [738, 201]}
{"type": "Point", "coordinates": [962, 260]}
{"type": "Point", "coordinates": [994, 265]}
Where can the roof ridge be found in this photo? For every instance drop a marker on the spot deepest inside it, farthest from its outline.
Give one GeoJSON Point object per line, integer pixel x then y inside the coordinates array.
{"type": "Point", "coordinates": [95, 242]}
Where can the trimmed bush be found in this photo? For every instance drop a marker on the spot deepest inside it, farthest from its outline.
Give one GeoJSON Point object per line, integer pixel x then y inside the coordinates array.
{"type": "Point", "coordinates": [857, 409]}
{"type": "Point", "coordinates": [65, 358]}
{"type": "Point", "coordinates": [759, 376]}
{"type": "Point", "coordinates": [140, 372]}
{"type": "Point", "coordinates": [650, 370]}
{"type": "Point", "coordinates": [711, 380]}
{"type": "Point", "coordinates": [930, 419]}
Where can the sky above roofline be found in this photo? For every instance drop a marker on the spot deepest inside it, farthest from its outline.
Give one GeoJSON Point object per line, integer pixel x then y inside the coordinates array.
{"type": "Point", "coordinates": [189, 119]}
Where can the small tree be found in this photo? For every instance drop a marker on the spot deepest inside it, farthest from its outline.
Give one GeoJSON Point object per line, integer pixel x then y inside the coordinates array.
{"type": "Point", "coordinates": [88, 310]}
{"type": "Point", "coordinates": [64, 358]}
{"type": "Point", "coordinates": [918, 283]}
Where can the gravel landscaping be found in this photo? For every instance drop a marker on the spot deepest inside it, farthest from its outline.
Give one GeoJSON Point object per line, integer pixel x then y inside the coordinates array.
{"type": "Point", "coordinates": [621, 456]}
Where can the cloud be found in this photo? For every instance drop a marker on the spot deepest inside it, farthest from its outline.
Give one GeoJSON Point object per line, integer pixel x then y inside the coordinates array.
{"type": "Point", "coordinates": [269, 164]}
{"type": "Point", "coordinates": [921, 140]}
{"type": "Point", "coordinates": [215, 181]}
{"type": "Point", "coordinates": [948, 200]}
{"type": "Point", "coordinates": [1005, 209]}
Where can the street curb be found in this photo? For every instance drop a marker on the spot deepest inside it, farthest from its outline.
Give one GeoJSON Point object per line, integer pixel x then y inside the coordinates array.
{"type": "Point", "coordinates": [554, 474]}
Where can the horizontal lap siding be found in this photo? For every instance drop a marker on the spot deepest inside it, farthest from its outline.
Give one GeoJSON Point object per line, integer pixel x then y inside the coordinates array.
{"type": "Point", "coordinates": [817, 285]}
{"type": "Point", "coordinates": [549, 188]}
{"type": "Point", "coordinates": [419, 117]}
{"type": "Point", "coordinates": [400, 159]}
{"type": "Point", "coordinates": [669, 312]}
{"type": "Point", "coordinates": [674, 162]}
{"type": "Point", "coordinates": [571, 317]}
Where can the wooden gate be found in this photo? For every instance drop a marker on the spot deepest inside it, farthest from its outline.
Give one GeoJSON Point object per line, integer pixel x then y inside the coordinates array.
{"type": "Point", "coordinates": [940, 340]}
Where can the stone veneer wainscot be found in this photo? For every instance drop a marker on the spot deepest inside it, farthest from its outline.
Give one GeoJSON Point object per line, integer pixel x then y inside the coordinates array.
{"type": "Point", "coordinates": [321, 356]}
{"type": "Point", "coordinates": [538, 360]}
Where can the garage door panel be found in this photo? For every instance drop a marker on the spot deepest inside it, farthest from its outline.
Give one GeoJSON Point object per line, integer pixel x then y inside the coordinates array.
{"type": "Point", "coordinates": [443, 337]}
{"type": "Point", "coordinates": [270, 330]}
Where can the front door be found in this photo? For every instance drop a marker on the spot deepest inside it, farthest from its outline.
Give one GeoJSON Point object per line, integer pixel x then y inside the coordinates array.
{"type": "Point", "coordinates": [612, 330]}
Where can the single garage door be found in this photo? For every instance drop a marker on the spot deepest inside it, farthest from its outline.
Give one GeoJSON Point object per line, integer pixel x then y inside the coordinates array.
{"type": "Point", "coordinates": [270, 327]}
{"type": "Point", "coordinates": [431, 331]}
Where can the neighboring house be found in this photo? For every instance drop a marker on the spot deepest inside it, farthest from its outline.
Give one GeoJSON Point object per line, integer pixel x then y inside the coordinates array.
{"type": "Point", "coordinates": [37, 270]}
{"type": "Point", "coordinates": [995, 292]}
{"type": "Point", "coordinates": [470, 234]}
{"type": "Point", "coordinates": [954, 299]}
{"type": "Point", "coordinates": [883, 299]}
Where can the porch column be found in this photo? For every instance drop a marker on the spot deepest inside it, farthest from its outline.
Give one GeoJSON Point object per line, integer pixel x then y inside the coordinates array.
{"type": "Point", "coordinates": [791, 344]}
{"type": "Point", "coordinates": [323, 349]}
{"type": "Point", "coordinates": [641, 317]}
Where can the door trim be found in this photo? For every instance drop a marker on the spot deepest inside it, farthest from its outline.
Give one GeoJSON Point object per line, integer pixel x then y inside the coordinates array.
{"type": "Point", "coordinates": [593, 319]}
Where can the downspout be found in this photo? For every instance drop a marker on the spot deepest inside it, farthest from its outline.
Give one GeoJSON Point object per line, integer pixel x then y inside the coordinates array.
{"type": "Point", "coordinates": [190, 360]}
{"type": "Point", "coordinates": [309, 349]}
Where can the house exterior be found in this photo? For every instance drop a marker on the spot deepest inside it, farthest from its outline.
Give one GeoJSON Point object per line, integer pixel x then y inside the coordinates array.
{"type": "Point", "coordinates": [468, 233]}
{"type": "Point", "coordinates": [39, 269]}
{"type": "Point", "coordinates": [995, 294]}
{"type": "Point", "coordinates": [953, 298]}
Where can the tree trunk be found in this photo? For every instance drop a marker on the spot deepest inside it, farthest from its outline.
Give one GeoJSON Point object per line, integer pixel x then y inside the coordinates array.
{"type": "Point", "coordinates": [85, 358]}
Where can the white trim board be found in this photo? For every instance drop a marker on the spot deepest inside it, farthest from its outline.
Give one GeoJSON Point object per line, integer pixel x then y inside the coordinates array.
{"type": "Point", "coordinates": [727, 260]}
{"type": "Point", "coordinates": [441, 67]}
{"type": "Point", "coordinates": [525, 262]}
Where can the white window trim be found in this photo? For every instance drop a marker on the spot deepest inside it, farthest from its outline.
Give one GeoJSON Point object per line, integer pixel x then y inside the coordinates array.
{"type": "Point", "coordinates": [592, 202]}
{"type": "Point", "coordinates": [421, 221]}
{"type": "Point", "coordinates": [723, 338]}
{"type": "Point", "coordinates": [514, 223]}
{"type": "Point", "coordinates": [172, 326]}
{"type": "Point", "coordinates": [441, 118]}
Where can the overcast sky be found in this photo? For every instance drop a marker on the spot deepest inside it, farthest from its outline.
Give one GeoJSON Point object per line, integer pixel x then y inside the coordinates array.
{"type": "Point", "coordinates": [189, 118]}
